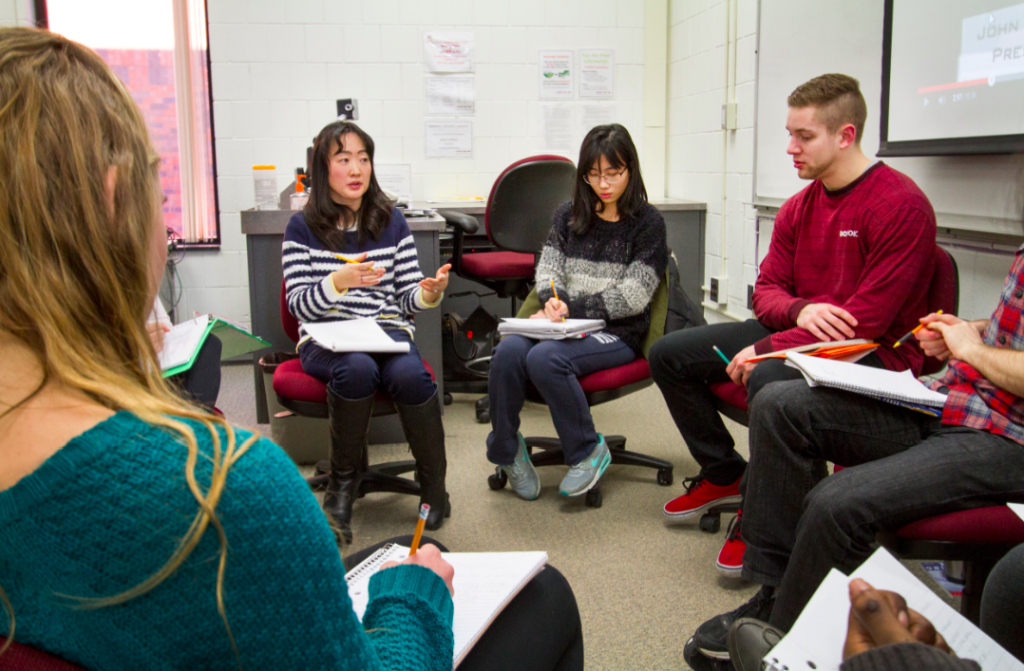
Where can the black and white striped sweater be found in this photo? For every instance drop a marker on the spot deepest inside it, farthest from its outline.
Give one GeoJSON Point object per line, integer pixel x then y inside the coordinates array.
{"type": "Point", "coordinates": [311, 295]}
{"type": "Point", "coordinates": [609, 273]}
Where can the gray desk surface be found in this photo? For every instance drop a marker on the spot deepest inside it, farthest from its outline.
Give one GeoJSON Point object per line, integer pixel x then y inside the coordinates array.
{"type": "Point", "coordinates": [273, 222]}
{"type": "Point", "coordinates": [475, 207]}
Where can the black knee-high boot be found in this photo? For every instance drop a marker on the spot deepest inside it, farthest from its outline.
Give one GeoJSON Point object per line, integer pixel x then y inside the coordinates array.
{"type": "Point", "coordinates": [425, 433]}
{"type": "Point", "coordinates": [350, 424]}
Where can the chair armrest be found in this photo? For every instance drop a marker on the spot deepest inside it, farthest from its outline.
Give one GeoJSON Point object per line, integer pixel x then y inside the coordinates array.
{"type": "Point", "coordinates": [463, 223]}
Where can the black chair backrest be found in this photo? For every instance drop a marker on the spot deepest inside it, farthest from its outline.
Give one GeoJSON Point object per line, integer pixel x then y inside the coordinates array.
{"type": "Point", "coordinates": [523, 199]}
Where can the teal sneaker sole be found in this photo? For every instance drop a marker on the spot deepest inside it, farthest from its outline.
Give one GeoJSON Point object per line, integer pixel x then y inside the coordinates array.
{"type": "Point", "coordinates": [605, 463]}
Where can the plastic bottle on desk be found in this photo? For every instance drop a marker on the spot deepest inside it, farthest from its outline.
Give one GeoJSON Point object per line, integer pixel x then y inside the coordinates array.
{"type": "Point", "coordinates": [299, 199]}
{"type": "Point", "coordinates": [264, 181]}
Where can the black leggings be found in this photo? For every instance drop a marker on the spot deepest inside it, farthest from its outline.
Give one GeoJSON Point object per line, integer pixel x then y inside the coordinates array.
{"type": "Point", "coordinates": [539, 630]}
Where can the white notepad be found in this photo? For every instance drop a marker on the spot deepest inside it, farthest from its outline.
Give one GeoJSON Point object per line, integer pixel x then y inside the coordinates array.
{"type": "Point", "coordinates": [485, 582]}
{"type": "Point", "coordinates": [816, 640]}
{"type": "Point", "coordinates": [353, 335]}
{"type": "Point", "coordinates": [181, 341]}
{"type": "Point", "coordinates": [545, 329]}
{"type": "Point", "coordinates": [885, 385]}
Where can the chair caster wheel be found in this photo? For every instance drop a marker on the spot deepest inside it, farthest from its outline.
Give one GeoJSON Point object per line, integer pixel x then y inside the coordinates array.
{"type": "Point", "coordinates": [483, 410]}
{"type": "Point", "coordinates": [498, 480]}
{"type": "Point", "coordinates": [710, 523]}
{"type": "Point", "coordinates": [594, 498]}
{"type": "Point", "coordinates": [323, 466]}
{"type": "Point", "coordinates": [483, 417]}
{"type": "Point", "coordinates": [448, 400]}
{"type": "Point", "coordinates": [664, 477]}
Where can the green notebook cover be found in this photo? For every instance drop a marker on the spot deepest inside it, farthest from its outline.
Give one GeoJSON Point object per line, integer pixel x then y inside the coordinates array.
{"type": "Point", "coordinates": [234, 342]}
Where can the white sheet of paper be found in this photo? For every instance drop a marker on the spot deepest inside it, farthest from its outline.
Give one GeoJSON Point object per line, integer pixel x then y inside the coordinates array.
{"type": "Point", "coordinates": [448, 52]}
{"type": "Point", "coordinates": [597, 73]}
{"type": "Point", "coordinates": [181, 342]}
{"type": "Point", "coordinates": [450, 95]}
{"type": "Point", "coordinates": [557, 128]}
{"type": "Point", "coordinates": [596, 114]}
{"type": "Point", "coordinates": [555, 69]}
{"type": "Point", "coordinates": [354, 335]}
{"type": "Point", "coordinates": [448, 139]}
{"type": "Point", "coordinates": [1017, 508]}
{"type": "Point", "coordinates": [395, 178]}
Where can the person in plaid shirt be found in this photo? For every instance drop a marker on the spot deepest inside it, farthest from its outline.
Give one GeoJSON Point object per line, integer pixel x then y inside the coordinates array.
{"type": "Point", "coordinates": [903, 465]}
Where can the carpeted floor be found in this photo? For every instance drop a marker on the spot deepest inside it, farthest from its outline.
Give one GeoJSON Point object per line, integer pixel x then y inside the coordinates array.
{"type": "Point", "coordinates": [642, 586]}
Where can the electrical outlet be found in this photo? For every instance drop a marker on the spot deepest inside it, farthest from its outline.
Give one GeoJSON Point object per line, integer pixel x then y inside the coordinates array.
{"type": "Point", "coordinates": [750, 296]}
{"type": "Point", "coordinates": [713, 293]}
{"type": "Point", "coordinates": [348, 109]}
{"type": "Point", "coordinates": [719, 290]}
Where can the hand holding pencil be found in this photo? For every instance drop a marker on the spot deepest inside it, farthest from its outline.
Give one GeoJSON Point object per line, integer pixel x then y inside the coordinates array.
{"type": "Point", "coordinates": [914, 332]}
{"type": "Point", "coordinates": [429, 557]}
{"type": "Point", "coordinates": [355, 273]}
{"type": "Point", "coordinates": [555, 309]}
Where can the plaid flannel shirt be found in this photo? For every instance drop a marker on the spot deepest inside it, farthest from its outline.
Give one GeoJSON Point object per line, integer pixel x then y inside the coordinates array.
{"type": "Point", "coordinates": [974, 401]}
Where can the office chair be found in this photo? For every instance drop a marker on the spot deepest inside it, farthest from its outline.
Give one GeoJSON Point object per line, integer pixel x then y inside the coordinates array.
{"type": "Point", "coordinates": [20, 657]}
{"type": "Point", "coordinates": [307, 396]}
{"type": "Point", "coordinates": [517, 221]}
{"type": "Point", "coordinates": [600, 387]}
{"type": "Point", "coordinates": [731, 398]}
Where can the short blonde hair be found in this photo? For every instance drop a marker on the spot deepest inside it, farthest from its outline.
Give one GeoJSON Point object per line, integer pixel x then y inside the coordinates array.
{"type": "Point", "coordinates": [837, 99]}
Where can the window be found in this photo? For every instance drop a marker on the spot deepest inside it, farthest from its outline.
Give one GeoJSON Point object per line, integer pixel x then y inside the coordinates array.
{"type": "Point", "coordinates": [158, 48]}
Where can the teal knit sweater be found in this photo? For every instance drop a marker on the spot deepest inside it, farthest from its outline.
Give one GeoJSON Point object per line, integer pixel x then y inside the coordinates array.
{"type": "Point", "coordinates": [107, 510]}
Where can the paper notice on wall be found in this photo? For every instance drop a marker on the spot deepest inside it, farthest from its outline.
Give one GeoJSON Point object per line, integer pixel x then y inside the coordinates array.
{"type": "Point", "coordinates": [448, 52]}
{"type": "Point", "coordinates": [556, 128]}
{"type": "Point", "coordinates": [556, 75]}
{"type": "Point", "coordinates": [449, 139]}
{"type": "Point", "coordinates": [395, 178]}
{"type": "Point", "coordinates": [597, 73]}
{"type": "Point", "coordinates": [596, 114]}
{"type": "Point", "coordinates": [450, 95]}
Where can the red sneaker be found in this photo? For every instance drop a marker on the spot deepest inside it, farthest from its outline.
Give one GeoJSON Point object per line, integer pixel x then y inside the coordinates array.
{"type": "Point", "coordinates": [730, 559]}
{"type": "Point", "coordinates": [701, 495]}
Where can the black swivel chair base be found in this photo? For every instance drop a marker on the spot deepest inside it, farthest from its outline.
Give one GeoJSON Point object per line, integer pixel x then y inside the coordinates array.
{"type": "Point", "coordinates": [551, 454]}
{"type": "Point", "coordinates": [382, 477]}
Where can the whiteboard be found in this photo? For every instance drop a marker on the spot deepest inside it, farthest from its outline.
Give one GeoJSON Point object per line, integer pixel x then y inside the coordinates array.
{"type": "Point", "coordinates": [801, 39]}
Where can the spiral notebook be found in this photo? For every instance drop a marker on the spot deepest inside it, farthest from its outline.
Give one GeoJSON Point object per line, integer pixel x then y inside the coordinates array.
{"type": "Point", "coordinates": [545, 329]}
{"type": "Point", "coordinates": [885, 385]}
{"type": "Point", "coordinates": [816, 640]}
{"type": "Point", "coordinates": [485, 582]}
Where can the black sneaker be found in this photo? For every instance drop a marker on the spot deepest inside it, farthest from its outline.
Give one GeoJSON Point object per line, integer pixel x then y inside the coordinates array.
{"type": "Point", "coordinates": [712, 636]}
{"type": "Point", "coordinates": [698, 662]}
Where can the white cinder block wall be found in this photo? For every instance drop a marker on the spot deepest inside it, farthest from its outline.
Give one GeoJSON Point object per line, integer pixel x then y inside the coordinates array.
{"type": "Point", "coordinates": [279, 66]}
{"type": "Point", "coordinates": [16, 13]}
{"type": "Point", "coordinates": [697, 89]}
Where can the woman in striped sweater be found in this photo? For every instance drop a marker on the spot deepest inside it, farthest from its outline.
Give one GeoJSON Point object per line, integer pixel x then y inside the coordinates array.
{"type": "Point", "coordinates": [349, 254]}
{"type": "Point", "coordinates": [603, 259]}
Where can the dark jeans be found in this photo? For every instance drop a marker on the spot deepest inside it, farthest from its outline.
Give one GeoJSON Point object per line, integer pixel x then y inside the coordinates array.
{"type": "Point", "coordinates": [554, 367]}
{"type": "Point", "coordinates": [902, 466]}
{"type": "Point", "coordinates": [356, 375]}
{"type": "Point", "coordinates": [201, 382]}
{"type": "Point", "coordinates": [538, 630]}
{"type": "Point", "coordinates": [1002, 603]}
{"type": "Point", "coordinates": [683, 363]}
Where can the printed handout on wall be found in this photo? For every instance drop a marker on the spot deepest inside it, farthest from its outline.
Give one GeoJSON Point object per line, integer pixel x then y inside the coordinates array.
{"type": "Point", "coordinates": [450, 95]}
{"type": "Point", "coordinates": [596, 114]}
{"type": "Point", "coordinates": [597, 73]}
{"type": "Point", "coordinates": [395, 178]}
{"type": "Point", "coordinates": [557, 130]}
{"type": "Point", "coordinates": [449, 139]}
{"type": "Point", "coordinates": [448, 52]}
{"type": "Point", "coordinates": [556, 75]}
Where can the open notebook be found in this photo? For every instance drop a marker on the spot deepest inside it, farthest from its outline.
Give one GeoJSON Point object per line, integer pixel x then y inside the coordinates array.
{"type": "Point", "coordinates": [353, 335]}
{"type": "Point", "coordinates": [484, 584]}
{"type": "Point", "coordinates": [182, 343]}
{"type": "Point", "coordinates": [816, 639]}
{"type": "Point", "coordinates": [885, 385]}
{"type": "Point", "coordinates": [545, 329]}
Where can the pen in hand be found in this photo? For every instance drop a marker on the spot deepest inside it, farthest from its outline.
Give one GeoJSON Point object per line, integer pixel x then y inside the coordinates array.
{"type": "Point", "coordinates": [555, 292]}
{"type": "Point", "coordinates": [912, 333]}
{"type": "Point", "coordinates": [719, 353]}
{"type": "Point", "coordinates": [424, 511]}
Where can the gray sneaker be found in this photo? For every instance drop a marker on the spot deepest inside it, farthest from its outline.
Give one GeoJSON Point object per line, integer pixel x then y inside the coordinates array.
{"type": "Point", "coordinates": [522, 476]}
{"type": "Point", "coordinates": [583, 476]}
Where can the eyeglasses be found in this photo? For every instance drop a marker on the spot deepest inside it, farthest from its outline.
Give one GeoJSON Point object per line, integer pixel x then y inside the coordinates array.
{"type": "Point", "coordinates": [612, 178]}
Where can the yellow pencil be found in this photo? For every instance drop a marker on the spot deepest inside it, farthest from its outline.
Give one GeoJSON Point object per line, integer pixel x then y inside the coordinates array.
{"type": "Point", "coordinates": [346, 260]}
{"type": "Point", "coordinates": [556, 295]}
{"type": "Point", "coordinates": [912, 333]}
{"type": "Point", "coordinates": [424, 511]}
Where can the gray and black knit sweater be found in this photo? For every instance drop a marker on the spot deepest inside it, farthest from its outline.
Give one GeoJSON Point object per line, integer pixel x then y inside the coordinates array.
{"type": "Point", "coordinates": [609, 273]}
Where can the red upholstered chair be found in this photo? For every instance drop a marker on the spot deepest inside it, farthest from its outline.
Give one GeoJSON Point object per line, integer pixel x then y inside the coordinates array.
{"type": "Point", "coordinates": [20, 657]}
{"type": "Point", "coordinates": [731, 399]}
{"type": "Point", "coordinates": [978, 537]}
{"type": "Point", "coordinates": [307, 396]}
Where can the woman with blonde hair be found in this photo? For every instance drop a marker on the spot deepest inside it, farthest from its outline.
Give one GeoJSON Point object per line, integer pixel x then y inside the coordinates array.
{"type": "Point", "coordinates": [119, 500]}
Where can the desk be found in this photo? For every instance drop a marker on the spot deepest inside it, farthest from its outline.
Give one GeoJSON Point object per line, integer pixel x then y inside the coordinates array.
{"type": "Point", "coordinates": [264, 233]}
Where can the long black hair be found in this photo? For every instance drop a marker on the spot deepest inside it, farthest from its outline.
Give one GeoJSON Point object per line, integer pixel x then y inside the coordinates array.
{"type": "Point", "coordinates": [323, 214]}
{"type": "Point", "coordinates": [614, 143]}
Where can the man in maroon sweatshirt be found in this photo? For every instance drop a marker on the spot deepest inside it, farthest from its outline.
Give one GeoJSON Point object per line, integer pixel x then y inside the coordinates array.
{"type": "Point", "coordinates": [851, 256]}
